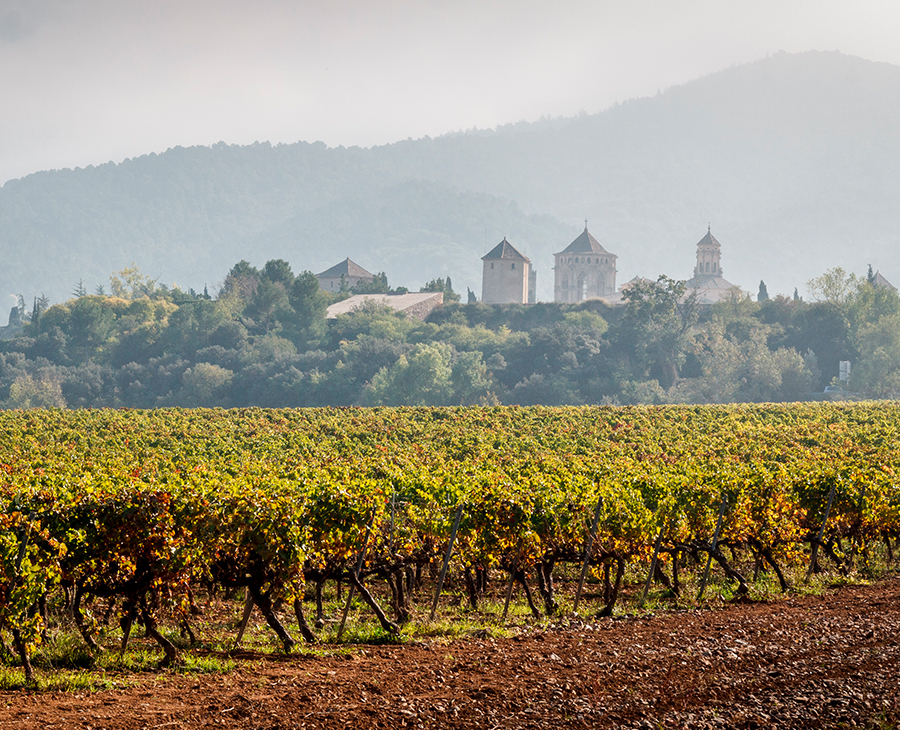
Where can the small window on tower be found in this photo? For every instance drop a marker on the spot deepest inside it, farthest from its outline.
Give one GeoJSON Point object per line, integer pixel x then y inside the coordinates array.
{"type": "Point", "coordinates": [512, 266]}
{"type": "Point", "coordinates": [492, 264]}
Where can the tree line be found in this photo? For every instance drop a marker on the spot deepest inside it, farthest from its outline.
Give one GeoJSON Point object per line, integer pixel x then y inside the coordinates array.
{"type": "Point", "coordinates": [263, 340]}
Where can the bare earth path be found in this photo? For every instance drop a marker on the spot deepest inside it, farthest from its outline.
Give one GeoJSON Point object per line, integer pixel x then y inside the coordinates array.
{"type": "Point", "coordinates": [805, 662]}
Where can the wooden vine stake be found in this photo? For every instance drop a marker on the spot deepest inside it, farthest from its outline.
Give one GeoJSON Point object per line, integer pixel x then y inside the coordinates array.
{"type": "Point", "coordinates": [712, 548]}
{"type": "Point", "coordinates": [587, 553]}
{"type": "Point", "coordinates": [656, 546]}
{"type": "Point", "coordinates": [357, 568]}
{"type": "Point", "coordinates": [248, 609]}
{"type": "Point", "coordinates": [814, 553]}
{"type": "Point", "coordinates": [440, 585]}
{"type": "Point", "coordinates": [23, 546]}
{"type": "Point", "coordinates": [512, 580]}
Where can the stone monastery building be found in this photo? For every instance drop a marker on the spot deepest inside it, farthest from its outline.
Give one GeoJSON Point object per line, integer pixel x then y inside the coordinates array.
{"type": "Point", "coordinates": [583, 270]}
{"type": "Point", "coordinates": [506, 275]}
{"type": "Point", "coordinates": [586, 270]}
{"type": "Point", "coordinates": [708, 282]}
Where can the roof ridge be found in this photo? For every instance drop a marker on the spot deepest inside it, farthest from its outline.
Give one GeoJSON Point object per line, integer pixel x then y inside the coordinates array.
{"type": "Point", "coordinates": [586, 243]}
{"type": "Point", "coordinates": [505, 250]}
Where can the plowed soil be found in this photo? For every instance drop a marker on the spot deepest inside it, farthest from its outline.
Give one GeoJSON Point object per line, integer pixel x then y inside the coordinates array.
{"type": "Point", "coordinates": [804, 662]}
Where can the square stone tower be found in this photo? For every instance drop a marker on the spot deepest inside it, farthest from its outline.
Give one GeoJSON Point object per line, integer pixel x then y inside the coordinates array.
{"type": "Point", "coordinates": [505, 276]}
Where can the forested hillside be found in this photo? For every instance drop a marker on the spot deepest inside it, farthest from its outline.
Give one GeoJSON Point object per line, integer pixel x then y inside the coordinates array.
{"type": "Point", "coordinates": [265, 341]}
{"type": "Point", "coordinates": [794, 160]}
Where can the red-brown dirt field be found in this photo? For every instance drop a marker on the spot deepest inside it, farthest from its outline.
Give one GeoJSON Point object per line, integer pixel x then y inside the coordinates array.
{"type": "Point", "coordinates": [803, 662]}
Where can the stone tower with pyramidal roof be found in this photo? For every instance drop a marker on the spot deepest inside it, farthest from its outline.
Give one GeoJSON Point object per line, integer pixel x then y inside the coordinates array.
{"type": "Point", "coordinates": [505, 276]}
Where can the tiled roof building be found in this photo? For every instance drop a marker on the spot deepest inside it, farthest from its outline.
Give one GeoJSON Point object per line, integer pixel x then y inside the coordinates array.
{"type": "Point", "coordinates": [347, 271]}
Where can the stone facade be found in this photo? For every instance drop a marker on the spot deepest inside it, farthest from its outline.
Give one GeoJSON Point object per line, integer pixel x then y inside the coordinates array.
{"type": "Point", "coordinates": [583, 270]}
{"type": "Point", "coordinates": [505, 276]}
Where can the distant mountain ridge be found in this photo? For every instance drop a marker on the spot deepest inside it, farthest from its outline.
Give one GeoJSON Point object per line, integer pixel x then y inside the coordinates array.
{"type": "Point", "coordinates": [793, 159]}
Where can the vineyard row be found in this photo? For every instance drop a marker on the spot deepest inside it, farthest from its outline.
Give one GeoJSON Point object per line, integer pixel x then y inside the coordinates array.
{"type": "Point", "coordinates": [143, 507]}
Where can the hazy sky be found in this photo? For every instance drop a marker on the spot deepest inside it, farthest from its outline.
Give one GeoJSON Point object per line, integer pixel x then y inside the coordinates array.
{"type": "Point", "coordinates": [88, 81]}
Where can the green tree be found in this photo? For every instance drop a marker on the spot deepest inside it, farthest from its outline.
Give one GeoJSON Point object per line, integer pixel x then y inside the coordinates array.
{"type": "Point", "coordinates": [278, 271]}
{"type": "Point", "coordinates": [373, 319]}
{"type": "Point", "coordinates": [656, 327]}
{"type": "Point", "coordinates": [239, 287]}
{"type": "Point", "coordinates": [870, 303]}
{"type": "Point", "coordinates": [470, 379]}
{"type": "Point", "coordinates": [130, 283]}
{"type": "Point", "coordinates": [90, 324]}
{"type": "Point", "coordinates": [269, 305]}
{"type": "Point", "coordinates": [835, 286]}
{"type": "Point", "coordinates": [309, 304]}
{"type": "Point", "coordinates": [378, 285]}
{"type": "Point", "coordinates": [744, 371]}
{"type": "Point", "coordinates": [442, 285]}
{"type": "Point", "coordinates": [421, 378]}
{"type": "Point", "coordinates": [41, 392]}
{"type": "Point", "coordinates": [204, 385]}
{"type": "Point", "coordinates": [877, 371]}
{"type": "Point", "coordinates": [41, 305]}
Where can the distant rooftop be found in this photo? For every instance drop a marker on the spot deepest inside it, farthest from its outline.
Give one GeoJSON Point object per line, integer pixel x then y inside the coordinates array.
{"type": "Point", "coordinates": [709, 239]}
{"type": "Point", "coordinates": [346, 268]}
{"type": "Point", "coordinates": [585, 243]}
{"type": "Point", "coordinates": [881, 281]}
{"type": "Point", "coordinates": [710, 289]}
{"type": "Point", "coordinates": [417, 304]}
{"type": "Point", "coordinates": [504, 250]}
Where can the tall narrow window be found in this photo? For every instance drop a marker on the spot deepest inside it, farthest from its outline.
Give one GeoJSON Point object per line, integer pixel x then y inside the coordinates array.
{"type": "Point", "coordinates": [512, 266]}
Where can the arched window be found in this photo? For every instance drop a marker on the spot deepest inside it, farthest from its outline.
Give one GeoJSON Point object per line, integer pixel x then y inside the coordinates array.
{"type": "Point", "coordinates": [589, 259]}
{"type": "Point", "coordinates": [512, 266]}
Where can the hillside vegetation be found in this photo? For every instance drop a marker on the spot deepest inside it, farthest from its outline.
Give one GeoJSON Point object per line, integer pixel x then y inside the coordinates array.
{"type": "Point", "coordinates": [265, 341]}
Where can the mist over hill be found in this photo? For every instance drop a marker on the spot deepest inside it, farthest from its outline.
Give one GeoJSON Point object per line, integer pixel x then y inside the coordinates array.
{"type": "Point", "coordinates": [792, 159]}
